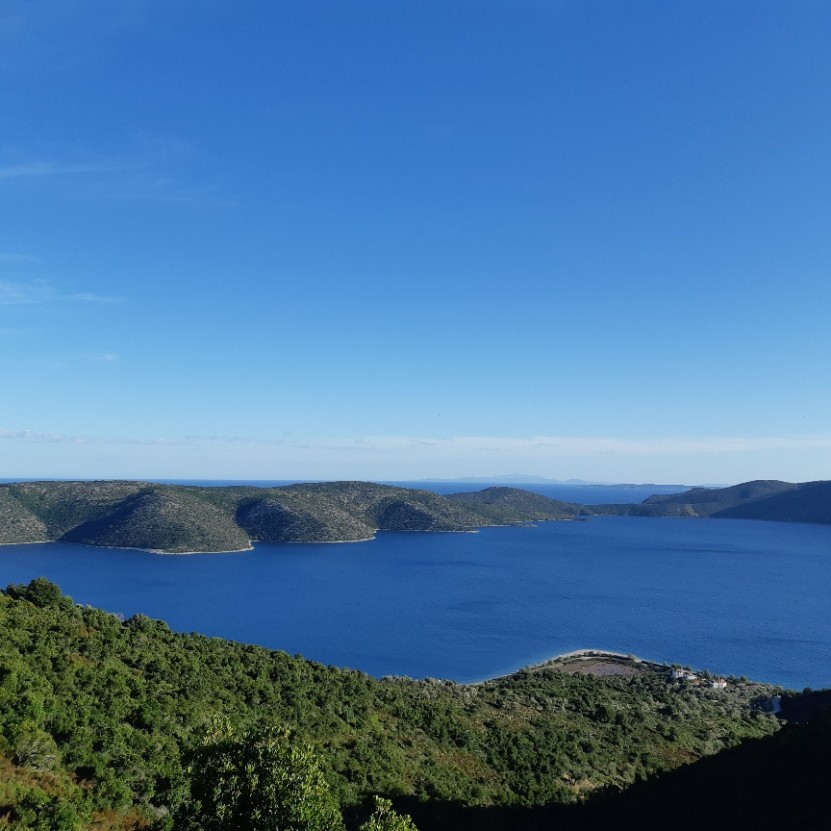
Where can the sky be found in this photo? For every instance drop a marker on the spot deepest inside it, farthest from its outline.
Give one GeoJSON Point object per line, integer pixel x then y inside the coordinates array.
{"type": "Point", "coordinates": [363, 239]}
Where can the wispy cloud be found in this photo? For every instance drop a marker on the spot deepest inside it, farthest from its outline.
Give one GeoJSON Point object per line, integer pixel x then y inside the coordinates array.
{"type": "Point", "coordinates": [144, 176]}
{"type": "Point", "coordinates": [14, 294]}
{"type": "Point", "coordinates": [38, 169]}
{"type": "Point", "coordinates": [6, 257]}
{"type": "Point", "coordinates": [90, 297]}
{"type": "Point", "coordinates": [39, 292]}
{"type": "Point", "coordinates": [40, 437]}
{"type": "Point", "coordinates": [36, 436]}
{"type": "Point", "coordinates": [469, 445]}
{"type": "Point", "coordinates": [15, 331]}
{"type": "Point", "coordinates": [561, 446]}
{"type": "Point", "coordinates": [610, 459]}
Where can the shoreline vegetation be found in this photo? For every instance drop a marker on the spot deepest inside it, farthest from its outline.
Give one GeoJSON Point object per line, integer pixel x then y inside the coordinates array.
{"type": "Point", "coordinates": [608, 663]}
{"type": "Point", "coordinates": [571, 659]}
{"type": "Point", "coordinates": [187, 519]}
{"type": "Point", "coordinates": [103, 718]}
{"type": "Point", "coordinates": [107, 724]}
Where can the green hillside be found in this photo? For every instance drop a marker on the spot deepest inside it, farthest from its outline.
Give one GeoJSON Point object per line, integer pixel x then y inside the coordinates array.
{"type": "Point", "coordinates": [175, 518]}
{"type": "Point", "coordinates": [165, 521]}
{"type": "Point", "coordinates": [495, 503]}
{"type": "Point", "coordinates": [179, 519]}
{"type": "Point", "coordinates": [806, 502]}
{"type": "Point", "coordinates": [767, 784]}
{"type": "Point", "coordinates": [111, 724]}
{"type": "Point", "coordinates": [760, 499]}
{"type": "Point", "coordinates": [17, 522]}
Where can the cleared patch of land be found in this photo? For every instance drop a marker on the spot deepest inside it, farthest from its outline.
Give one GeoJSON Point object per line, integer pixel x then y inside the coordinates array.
{"type": "Point", "coordinates": [600, 663]}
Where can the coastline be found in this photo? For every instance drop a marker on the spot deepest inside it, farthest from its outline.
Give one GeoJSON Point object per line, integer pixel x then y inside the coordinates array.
{"type": "Point", "coordinates": [163, 552]}
{"type": "Point", "coordinates": [607, 662]}
{"type": "Point", "coordinates": [589, 653]}
{"type": "Point", "coordinates": [575, 656]}
{"type": "Point", "coordinates": [595, 661]}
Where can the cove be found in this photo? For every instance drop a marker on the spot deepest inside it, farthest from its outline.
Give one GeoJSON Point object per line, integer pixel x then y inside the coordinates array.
{"type": "Point", "coordinates": [734, 596]}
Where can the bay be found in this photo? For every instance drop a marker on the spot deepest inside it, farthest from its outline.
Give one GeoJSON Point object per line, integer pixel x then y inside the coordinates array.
{"type": "Point", "coordinates": [735, 596]}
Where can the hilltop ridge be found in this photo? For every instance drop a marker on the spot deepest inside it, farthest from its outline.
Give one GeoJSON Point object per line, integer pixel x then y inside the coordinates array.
{"type": "Point", "coordinates": [200, 519]}
{"type": "Point", "coordinates": [184, 519]}
{"type": "Point", "coordinates": [765, 499]}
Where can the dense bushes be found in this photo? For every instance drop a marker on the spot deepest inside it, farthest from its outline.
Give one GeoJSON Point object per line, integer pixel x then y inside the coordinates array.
{"type": "Point", "coordinates": [100, 719]}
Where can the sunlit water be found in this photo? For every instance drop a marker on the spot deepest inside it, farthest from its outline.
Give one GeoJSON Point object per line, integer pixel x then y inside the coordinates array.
{"type": "Point", "coordinates": [738, 597]}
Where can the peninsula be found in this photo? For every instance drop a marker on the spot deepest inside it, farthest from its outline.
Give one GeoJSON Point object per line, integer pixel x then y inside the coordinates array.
{"type": "Point", "coordinates": [185, 519]}
{"type": "Point", "coordinates": [179, 519]}
{"type": "Point", "coordinates": [766, 499]}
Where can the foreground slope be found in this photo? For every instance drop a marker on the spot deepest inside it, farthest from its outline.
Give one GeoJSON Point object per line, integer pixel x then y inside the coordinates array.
{"type": "Point", "coordinates": [178, 519]}
{"type": "Point", "coordinates": [775, 782]}
{"type": "Point", "coordinates": [100, 714]}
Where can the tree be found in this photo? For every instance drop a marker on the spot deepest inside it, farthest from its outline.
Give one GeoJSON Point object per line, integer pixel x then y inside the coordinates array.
{"type": "Point", "coordinates": [40, 591]}
{"type": "Point", "coordinates": [385, 819]}
{"type": "Point", "coordinates": [260, 781]}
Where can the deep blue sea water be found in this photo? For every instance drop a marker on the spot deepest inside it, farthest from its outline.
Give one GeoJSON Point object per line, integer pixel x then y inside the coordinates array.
{"type": "Point", "coordinates": [735, 596]}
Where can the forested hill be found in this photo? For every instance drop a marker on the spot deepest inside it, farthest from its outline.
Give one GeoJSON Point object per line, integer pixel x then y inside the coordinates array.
{"type": "Point", "coordinates": [760, 499]}
{"type": "Point", "coordinates": [118, 725]}
{"type": "Point", "coordinates": [501, 504]}
{"type": "Point", "coordinates": [178, 518]}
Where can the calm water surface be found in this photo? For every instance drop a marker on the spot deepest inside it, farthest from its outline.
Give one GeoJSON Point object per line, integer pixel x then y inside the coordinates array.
{"type": "Point", "coordinates": [738, 597]}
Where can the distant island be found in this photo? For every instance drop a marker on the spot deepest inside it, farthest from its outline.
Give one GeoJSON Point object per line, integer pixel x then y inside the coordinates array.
{"type": "Point", "coordinates": [193, 519]}
{"type": "Point", "coordinates": [199, 519]}
{"type": "Point", "coordinates": [515, 478]}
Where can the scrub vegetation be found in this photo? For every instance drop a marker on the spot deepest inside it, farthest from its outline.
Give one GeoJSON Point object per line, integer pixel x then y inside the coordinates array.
{"type": "Point", "coordinates": [185, 519]}
{"type": "Point", "coordinates": [124, 724]}
{"type": "Point", "coordinates": [761, 499]}
{"type": "Point", "coordinates": [179, 519]}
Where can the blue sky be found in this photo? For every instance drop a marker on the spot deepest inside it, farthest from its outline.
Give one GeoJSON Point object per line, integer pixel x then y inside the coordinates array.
{"type": "Point", "coordinates": [422, 238]}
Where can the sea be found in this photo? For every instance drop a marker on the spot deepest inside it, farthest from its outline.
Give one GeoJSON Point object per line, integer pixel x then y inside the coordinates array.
{"type": "Point", "coordinates": [737, 597]}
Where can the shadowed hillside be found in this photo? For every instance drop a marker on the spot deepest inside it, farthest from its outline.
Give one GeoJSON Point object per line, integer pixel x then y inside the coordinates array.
{"type": "Point", "coordinates": [175, 522]}
{"type": "Point", "coordinates": [19, 523]}
{"type": "Point", "coordinates": [761, 499]}
{"type": "Point", "coordinates": [807, 502]}
{"type": "Point", "coordinates": [776, 782]}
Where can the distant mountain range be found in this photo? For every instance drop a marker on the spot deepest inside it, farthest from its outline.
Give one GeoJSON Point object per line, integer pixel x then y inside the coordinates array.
{"type": "Point", "coordinates": [530, 479]}
{"type": "Point", "coordinates": [182, 519]}
{"type": "Point", "coordinates": [516, 478]}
